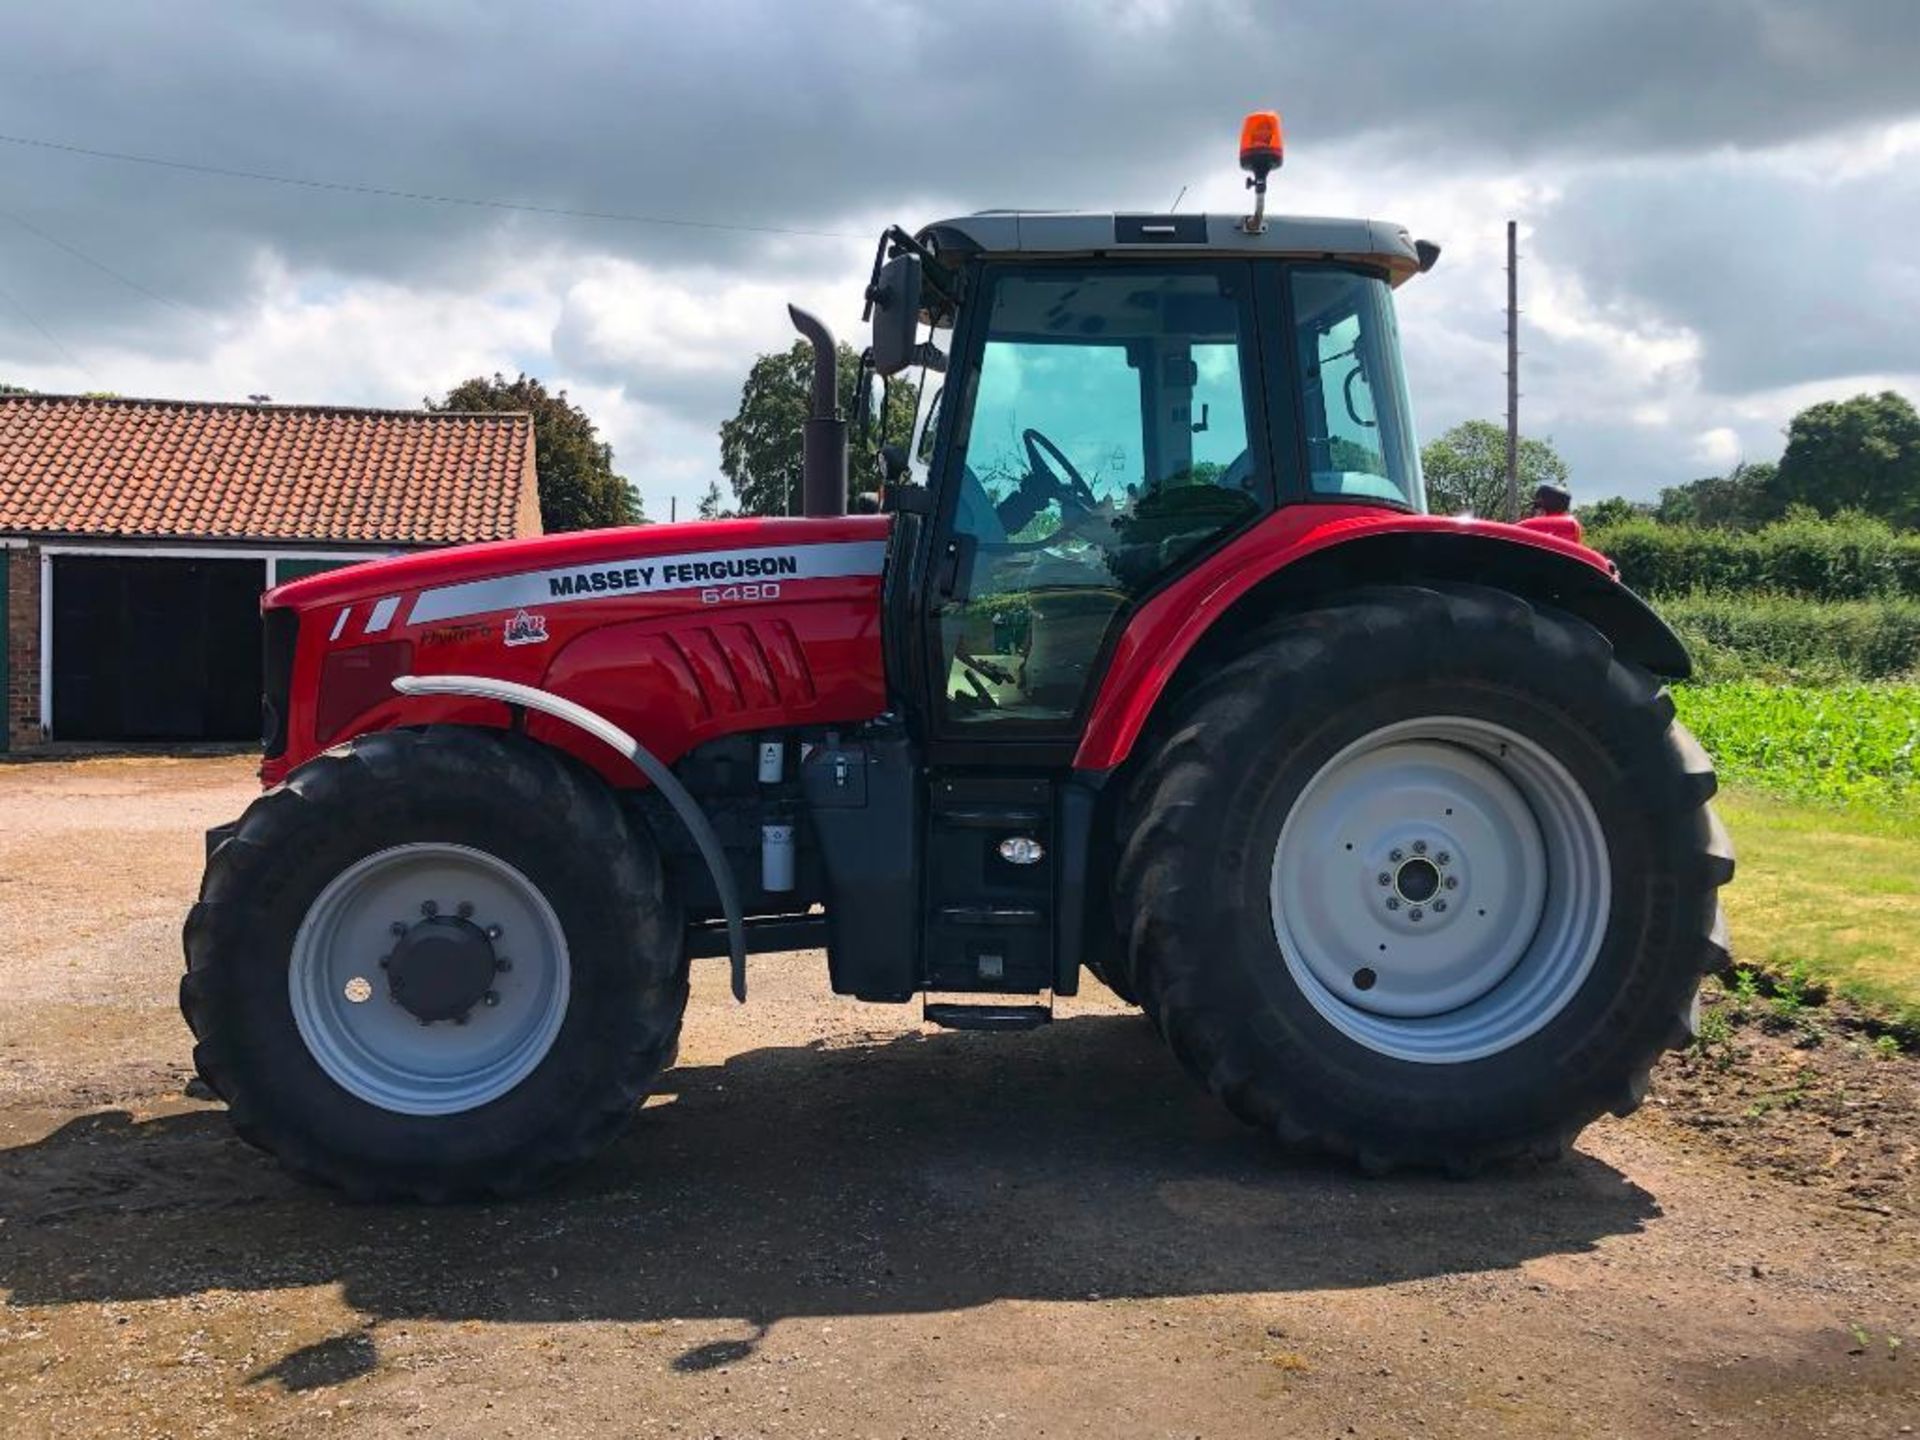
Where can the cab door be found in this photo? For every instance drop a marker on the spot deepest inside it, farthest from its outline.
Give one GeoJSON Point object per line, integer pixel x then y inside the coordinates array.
{"type": "Point", "coordinates": [1109, 432]}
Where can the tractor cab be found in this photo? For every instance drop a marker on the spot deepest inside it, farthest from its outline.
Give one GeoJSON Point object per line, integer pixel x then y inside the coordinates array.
{"type": "Point", "coordinates": [1105, 400]}
{"type": "Point", "coordinates": [1108, 404]}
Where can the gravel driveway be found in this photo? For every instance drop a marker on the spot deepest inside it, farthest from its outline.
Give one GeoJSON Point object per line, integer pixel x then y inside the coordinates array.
{"type": "Point", "coordinates": [833, 1221]}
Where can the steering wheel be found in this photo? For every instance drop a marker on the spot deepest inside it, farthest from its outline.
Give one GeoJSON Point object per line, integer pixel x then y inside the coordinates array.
{"type": "Point", "coordinates": [1074, 487]}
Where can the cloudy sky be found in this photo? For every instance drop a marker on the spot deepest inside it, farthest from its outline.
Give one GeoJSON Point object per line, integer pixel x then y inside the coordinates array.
{"type": "Point", "coordinates": [1718, 198]}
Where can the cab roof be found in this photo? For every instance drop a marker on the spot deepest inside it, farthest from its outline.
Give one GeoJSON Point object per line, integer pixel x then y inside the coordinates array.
{"type": "Point", "coordinates": [1043, 233]}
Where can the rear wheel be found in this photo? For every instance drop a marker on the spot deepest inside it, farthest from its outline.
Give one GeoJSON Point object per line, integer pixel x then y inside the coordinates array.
{"type": "Point", "coordinates": [1428, 877]}
{"type": "Point", "coordinates": [434, 963]}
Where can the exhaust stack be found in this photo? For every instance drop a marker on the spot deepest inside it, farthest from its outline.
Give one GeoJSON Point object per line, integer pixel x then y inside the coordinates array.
{"type": "Point", "coordinates": [823, 471]}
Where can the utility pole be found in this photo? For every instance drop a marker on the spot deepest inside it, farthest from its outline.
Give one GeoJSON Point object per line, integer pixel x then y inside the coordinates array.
{"type": "Point", "coordinates": [673, 508]}
{"type": "Point", "coordinates": [1513, 370]}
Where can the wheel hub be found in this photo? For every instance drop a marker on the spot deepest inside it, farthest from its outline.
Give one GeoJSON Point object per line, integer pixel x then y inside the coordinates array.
{"type": "Point", "coordinates": [382, 917]}
{"type": "Point", "coordinates": [441, 968]}
{"type": "Point", "coordinates": [1418, 881]}
{"type": "Point", "coordinates": [1438, 888]}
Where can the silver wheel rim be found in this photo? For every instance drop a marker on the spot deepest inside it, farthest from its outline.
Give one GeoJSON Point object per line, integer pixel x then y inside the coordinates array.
{"type": "Point", "coordinates": [371, 1045]}
{"type": "Point", "coordinates": [1440, 889]}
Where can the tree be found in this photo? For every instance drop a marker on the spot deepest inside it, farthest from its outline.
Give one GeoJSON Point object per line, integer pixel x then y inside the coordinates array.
{"type": "Point", "coordinates": [579, 489]}
{"type": "Point", "coordinates": [1858, 454]}
{"type": "Point", "coordinates": [1743, 499]}
{"type": "Point", "coordinates": [14, 390]}
{"type": "Point", "coordinates": [760, 447]}
{"type": "Point", "coordinates": [712, 507]}
{"type": "Point", "coordinates": [1466, 469]}
{"type": "Point", "coordinates": [1614, 510]}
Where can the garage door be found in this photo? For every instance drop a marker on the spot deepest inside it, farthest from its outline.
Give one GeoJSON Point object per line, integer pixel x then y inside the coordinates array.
{"type": "Point", "coordinates": [149, 649]}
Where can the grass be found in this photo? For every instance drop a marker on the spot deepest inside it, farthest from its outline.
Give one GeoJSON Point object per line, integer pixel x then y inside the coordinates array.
{"type": "Point", "coordinates": [1828, 894]}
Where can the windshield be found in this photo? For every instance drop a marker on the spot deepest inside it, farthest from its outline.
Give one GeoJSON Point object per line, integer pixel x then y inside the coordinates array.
{"type": "Point", "coordinates": [1360, 443]}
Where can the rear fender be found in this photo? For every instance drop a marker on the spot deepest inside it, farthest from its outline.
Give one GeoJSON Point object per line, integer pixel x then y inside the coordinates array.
{"type": "Point", "coordinates": [1297, 562]}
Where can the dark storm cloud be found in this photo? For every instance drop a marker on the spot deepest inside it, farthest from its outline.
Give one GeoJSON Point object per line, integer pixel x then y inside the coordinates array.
{"type": "Point", "coordinates": [1653, 120]}
{"type": "Point", "coordinates": [791, 114]}
{"type": "Point", "coordinates": [1785, 277]}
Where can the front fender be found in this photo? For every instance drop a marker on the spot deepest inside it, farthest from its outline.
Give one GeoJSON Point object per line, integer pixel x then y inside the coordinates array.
{"type": "Point", "coordinates": [1305, 552]}
{"type": "Point", "coordinates": [527, 697]}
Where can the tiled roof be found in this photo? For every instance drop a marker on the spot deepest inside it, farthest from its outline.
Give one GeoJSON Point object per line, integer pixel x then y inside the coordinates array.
{"type": "Point", "coordinates": [186, 469]}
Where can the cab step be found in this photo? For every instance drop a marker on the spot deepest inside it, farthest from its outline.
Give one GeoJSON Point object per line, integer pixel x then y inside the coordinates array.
{"type": "Point", "coordinates": [988, 1017]}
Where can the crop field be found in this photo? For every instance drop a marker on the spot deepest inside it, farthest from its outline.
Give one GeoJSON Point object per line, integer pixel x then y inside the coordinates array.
{"type": "Point", "coordinates": [1847, 743]}
{"type": "Point", "coordinates": [1821, 791]}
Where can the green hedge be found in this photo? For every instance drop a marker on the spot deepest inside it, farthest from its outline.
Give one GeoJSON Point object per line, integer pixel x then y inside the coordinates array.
{"type": "Point", "coordinates": [1785, 638]}
{"type": "Point", "coordinates": [1849, 557]}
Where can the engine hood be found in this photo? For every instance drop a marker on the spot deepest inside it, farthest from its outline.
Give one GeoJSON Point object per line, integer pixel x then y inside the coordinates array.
{"type": "Point", "coordinates": [662, 558]}
{"type": "Point", "coordinates": [676, 633]}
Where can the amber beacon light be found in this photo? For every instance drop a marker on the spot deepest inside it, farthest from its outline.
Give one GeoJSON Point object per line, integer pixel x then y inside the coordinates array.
{"type": "Point", "coordinates": [1262, 149]}
{"type": "Point", "coordinates": [1262, 145]}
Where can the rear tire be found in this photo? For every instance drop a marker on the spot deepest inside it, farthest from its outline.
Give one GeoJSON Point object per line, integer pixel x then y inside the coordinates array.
{"type": "Point", "coordinates": [1366, 739]}
{"type": "Point", "coordinates": [354, 1088]}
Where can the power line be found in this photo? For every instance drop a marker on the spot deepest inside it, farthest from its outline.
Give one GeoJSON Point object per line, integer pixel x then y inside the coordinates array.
{"type": "Point", "coordinates": [51, 338]}
{"type": "Point", "coordinates": [420, 196]}
{"type": "Point", "coordinates": [99, 265]}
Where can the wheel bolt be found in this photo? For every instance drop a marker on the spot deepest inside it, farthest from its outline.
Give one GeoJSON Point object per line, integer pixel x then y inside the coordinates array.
{"type": "Point", "coordinates": [1452, 882]}
{"type": "Point", "coordinates": [464, 909]}
{"type": "Point", "coordinates": [385, 960]}
{"type": "Point", "coordinates": [1419, 847]}
{"type": "Point", "coordinates": [1393, 902]}
{"type": "Point", "coordinates": [493, 932]}
{"type": "Point", "coordinates": [491, 998]}
{"type": "Point", "coordinates": [1444, 858]}
{"type": "Point", "coordinates": [459, 1019]}
{"type": "Point", "coordinates": [429, 908]}
{"type": "Point", "coordinates": [1439, 907]}
{"type": "Point", "coordinates": [1396, 855]}
{"type": "Point", "coordinates": [399, 927]}
{"type": "Point", "coordinates": [1415, 913]}
{"type": "Point", "coordinates": [1385, 878]}
{"type": "Point", "coordinates": [502, 965]}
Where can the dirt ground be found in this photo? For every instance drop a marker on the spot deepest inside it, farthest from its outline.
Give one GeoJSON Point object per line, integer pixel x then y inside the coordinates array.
{"type": "Point", "coordinates": [835, 1222]}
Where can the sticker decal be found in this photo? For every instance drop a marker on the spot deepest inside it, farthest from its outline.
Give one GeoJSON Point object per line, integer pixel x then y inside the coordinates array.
{"type": "Point", "coordinates": [382, 615]}
{"type": "Point", "coordinates": [648, 575]}
{"type": "Point", "coordinates": [525, 629]}
{"type": "Point", "coordinates": [454, 634]}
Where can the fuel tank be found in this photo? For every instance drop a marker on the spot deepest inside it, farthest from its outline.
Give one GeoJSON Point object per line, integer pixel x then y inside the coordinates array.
{"type": "Point", "coordinates": [677, 633]}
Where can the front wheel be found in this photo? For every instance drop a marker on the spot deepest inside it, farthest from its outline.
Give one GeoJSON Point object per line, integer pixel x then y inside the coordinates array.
{"type": "Point", "coordinates": [435, 963]}
{"type": "Point", "coordinates": [1427, 877]}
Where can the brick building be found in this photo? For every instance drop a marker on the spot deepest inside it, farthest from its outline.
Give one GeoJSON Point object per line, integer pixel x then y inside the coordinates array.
{"type": "Point", "coordinates": [137, 535]}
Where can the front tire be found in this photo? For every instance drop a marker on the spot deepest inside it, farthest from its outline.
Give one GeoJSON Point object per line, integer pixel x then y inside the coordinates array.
{"type": "Point", "coordinates": [433, 964]}
{"type": "Point", "coordinates": [1311, 957]}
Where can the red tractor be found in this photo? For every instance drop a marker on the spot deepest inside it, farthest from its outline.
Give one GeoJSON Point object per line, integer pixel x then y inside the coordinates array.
{"type": "Point", "coordinates": [1151, 662]}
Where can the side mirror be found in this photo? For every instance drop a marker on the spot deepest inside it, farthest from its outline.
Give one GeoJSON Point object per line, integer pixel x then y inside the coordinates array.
{"type": "Point", "coordinates": [895, 295]}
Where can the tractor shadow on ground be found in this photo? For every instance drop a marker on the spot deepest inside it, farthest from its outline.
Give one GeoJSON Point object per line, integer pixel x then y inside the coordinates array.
{"type": "Point", "coordinates": [908, 1174]}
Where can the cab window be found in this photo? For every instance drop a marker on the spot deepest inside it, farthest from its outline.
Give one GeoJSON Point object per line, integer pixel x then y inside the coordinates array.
{"type": "Point", "coordinates": [1106, 443]}
{"type": "Point", "coordinates": [1359, 432]}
